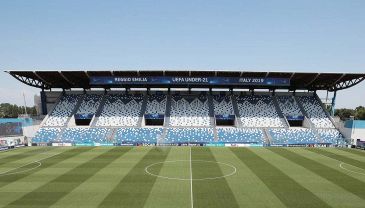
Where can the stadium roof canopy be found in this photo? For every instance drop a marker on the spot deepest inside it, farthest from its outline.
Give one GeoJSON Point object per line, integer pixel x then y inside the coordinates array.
{"type": "Point", "coordinates": [81, 79]}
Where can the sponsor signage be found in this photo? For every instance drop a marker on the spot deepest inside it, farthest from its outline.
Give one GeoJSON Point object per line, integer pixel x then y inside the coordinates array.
{"type": "Point", "coordinates": [168, 80]}
{"type": "Point", "coordinates": [154, 116]}
{"type": "Point", "coordinates": [84, 144]}
{"type": "Point", "coordinates": [62, 144]}
{"type": "Point", "coordinates": [242, 145]}
{"type": "Point", "coordinates": [124, 144]}
{"type": "Point", "coordinates": [295, 118]}
{"type": "Point", "coordinates": [225, 117]}
{"type": "Point", "coordinates": [4, 148]}
{"type": "Point", "coordinates": [278, 145]}
{"type": "Point", "coordinates": [106, 144]}
{"type": "Point", "coordinates": [84, 116]}
{"type": "Point", "coordinates": [218, 144]}
{"type": "Point", "coordinates": [94, 144]}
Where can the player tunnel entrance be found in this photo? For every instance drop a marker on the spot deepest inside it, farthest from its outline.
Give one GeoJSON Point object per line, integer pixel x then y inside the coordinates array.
{"type": "Point", "coordinates": [83, 119]}
{"type": "Point", "coordinates": [225, 120]}
{"type": "Point", "coordinates": [154, 119]}
{"type": "Point", "coordinates": [295, 121]}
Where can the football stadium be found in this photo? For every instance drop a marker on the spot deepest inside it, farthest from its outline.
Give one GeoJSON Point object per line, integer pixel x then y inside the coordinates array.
{"type": "Point", "coordinates": [188, 138]}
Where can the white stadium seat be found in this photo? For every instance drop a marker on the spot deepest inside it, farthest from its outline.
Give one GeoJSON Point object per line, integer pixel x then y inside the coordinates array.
{"type": "Point", "coordinates": [258, 111]}
{"type": "Point", "coordinates": [121, 110]}
{"type": "Point", "coordinates": [315, 112]}
{"type": "Point", "coordinates": [156, 104]}
{"type": "Point", "coordinates": [190, 120]}
{"type": "Point", "coordinates": [288, 106]}
{"type": "Point", "coordinates": [189, 111]}
{"type": "Point", "coordinates": [62, 111]}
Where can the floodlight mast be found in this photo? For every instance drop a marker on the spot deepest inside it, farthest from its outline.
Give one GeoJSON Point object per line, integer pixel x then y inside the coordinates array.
{"type": "Point", "coordinates": [25, 104]}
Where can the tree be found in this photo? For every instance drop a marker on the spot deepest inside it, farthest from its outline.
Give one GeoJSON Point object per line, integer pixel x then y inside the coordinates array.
{"type": "Point", "coordinates": [345, 113]}
{"type": "Point", "coordinates": [360, 114]}
{"type": "Point", "coordinates": [8, 110]}
{"type": "Point", "coordinates": [359, 108]}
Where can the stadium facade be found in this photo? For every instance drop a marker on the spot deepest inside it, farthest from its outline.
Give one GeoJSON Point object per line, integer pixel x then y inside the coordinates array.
{"type": "Point", "coordinates": [211, 108]}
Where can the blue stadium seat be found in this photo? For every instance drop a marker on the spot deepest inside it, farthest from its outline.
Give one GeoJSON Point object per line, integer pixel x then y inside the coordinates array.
{"type": "Point", "coordinates": [138, 135]}
{"type": "Point", "coordinates": [236, 135]}
{"type": "Point", "coordinates": [86, 135]}
{"type": "Point", "coordinates": [293, 136]}
{"type": "Point", "coordinates": [185, 135]}
{"type": "Point", "coordinates": [331, 136]}
{"type": "Point", "coordinates": [46, 135]}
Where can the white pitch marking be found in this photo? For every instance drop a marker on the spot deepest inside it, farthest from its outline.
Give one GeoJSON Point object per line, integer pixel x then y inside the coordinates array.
{"type": "Point", "coordinates": [26, 170]}
{"type": "Point", "coordinates": [341, 163]}
{"type": "Point", "coordinates": [188, 179]}
{"type": "Point", "coordinates": [351, 170]}
{"type": "Point", "coordinates": [191, 182]}
{"type": "Point", "coordinates": [36, 161]}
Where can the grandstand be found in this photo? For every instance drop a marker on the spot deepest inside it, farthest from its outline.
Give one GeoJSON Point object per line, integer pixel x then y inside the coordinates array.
{"type": "Point", "coordinates": [156, 114]}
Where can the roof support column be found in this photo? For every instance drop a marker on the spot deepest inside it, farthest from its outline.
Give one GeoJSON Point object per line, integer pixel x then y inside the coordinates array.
{"type": "Point", "coordinates": [333, 103]}
{"type": "Point", "coordinates": [44, 102]}
{"type": "Point", "coordinates": [252, 91]}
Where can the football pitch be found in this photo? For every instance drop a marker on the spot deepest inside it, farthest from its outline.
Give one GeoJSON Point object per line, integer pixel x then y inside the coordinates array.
{"type": "Point", "coordinates": [182, 177]}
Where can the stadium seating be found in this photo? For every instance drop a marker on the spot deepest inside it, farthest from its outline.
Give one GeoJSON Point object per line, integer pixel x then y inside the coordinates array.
{"type": "Point", "coordinates": [89, 104]}
{"type": "Point", "coordinates": [330, 136]}
{"type": "Point", "coordinates": [245, 135]}
{"type": "Point", "coordinates": [62, 111]}
{"type": "Point", "coordinates": [138, 135]}
{"type": "Point", "coordinates": [189, 120]}
{"type": "Point", "coordinates": [288, 106]}
{"type": "Point", "coordinates": [86, 135]}
{"type": "Point", "coordinates": [293, 136]}
{"type": "Point", "coordinates": [189, 111]}
{"type": "Point", "coordinates": [121, 110]}
{"type": "Point", "coordinates": [258, 111]}
{"type": "Point", "coordinates": [315, 112]}
{"type": "Point", "coordinates": [184, 135]}
{"type": "Point", "coordinates": [223, 105]}
{"type": "Point", "coordinates": [156, 104]}
{"type": "Point", "coordinates": [46, 135]}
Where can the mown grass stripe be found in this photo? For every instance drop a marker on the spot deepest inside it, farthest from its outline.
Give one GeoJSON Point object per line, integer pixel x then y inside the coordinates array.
{"type": "Point", "coordinates": [134, 189]}
{"type": "Point", "coordinates": [7, 179]}
{"type": "Point", "coordinates": [54, 190]}
{"type": "Point", "coordinates": [290, 192]}
{"type": "Point", "coordinates": [10, 152]}
{"type": "Point", "coordinates": [324, 189]}
{"type": "Point", "coordinates": [91, 192]}
{"type": "Point", "coordinates": [346, 154]}
{"type": "Point", "coordinates": [22, 155]}
{"type": "Point", "coordinates": [341, 158]}
{"type": "Point", "coordinates": [258, 195]}
{"type": "Point", "coordinates": [209, 193]}
{"type": "Point", "coordinates": [348, 183]}
{"type": "Point", "coordinates": [354, 151]}
{"type": "Point", "coordinates": [176, 193]}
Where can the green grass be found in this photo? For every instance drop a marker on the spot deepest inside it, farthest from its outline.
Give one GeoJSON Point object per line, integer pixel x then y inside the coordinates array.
{"type": "Point", "coordinates": [116, 177]}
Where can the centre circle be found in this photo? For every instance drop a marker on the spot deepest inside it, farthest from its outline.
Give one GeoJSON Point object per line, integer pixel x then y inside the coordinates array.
{"type": "Point", "coordinates": [190, 170]}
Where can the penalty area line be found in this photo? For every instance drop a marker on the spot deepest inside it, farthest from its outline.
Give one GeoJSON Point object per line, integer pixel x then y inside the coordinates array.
{"type": "Point", "coordinates": [26, 170]}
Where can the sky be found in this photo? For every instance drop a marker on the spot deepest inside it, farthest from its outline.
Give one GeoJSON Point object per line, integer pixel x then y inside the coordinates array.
{"type": "Point", "coordinates": [263, 35]}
